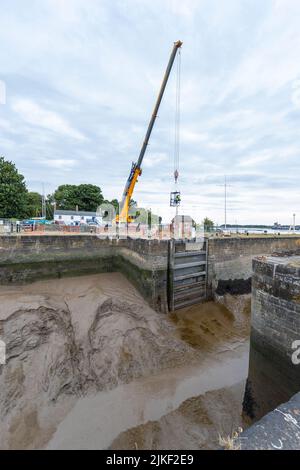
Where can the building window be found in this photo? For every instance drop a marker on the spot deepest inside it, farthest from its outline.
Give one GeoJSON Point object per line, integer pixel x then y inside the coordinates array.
{"type": "Point", "coordinates": [60, 217]}
{"type": "Point", "coordinates": [72, 217]}
{"type": "Point", "coordinates": [82, 217]}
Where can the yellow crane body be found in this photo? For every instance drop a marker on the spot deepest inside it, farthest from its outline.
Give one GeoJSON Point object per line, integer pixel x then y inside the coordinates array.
{"type": "Point", "coordinates": [136, 170]}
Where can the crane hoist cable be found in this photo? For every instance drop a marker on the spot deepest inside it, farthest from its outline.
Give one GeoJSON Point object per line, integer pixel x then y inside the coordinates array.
{"type": "Point", "coordinates": [177, 118]}
{"type": "Point", "coordinates": [175, 197]}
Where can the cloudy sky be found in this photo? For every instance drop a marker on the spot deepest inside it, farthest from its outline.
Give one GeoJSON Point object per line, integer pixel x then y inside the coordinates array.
{"type": "Point", "coordinates": [79, 79]}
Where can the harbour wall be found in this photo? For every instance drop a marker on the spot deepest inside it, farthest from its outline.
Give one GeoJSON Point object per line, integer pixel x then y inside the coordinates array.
{"type": "Point", "coordinates": [277, 430]}
{"type": "Point", "coordinates": [274, 363]}
{"type": "Point", "coordinates": [26, 258]}
{"type": "Point", "coordinates": [230, 261]}
{"type": "Point", "coordinates": [143, 262]}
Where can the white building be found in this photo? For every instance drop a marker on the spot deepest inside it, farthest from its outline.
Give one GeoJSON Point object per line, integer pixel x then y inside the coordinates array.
{"type": "Point", "coordinates": [76, 217]}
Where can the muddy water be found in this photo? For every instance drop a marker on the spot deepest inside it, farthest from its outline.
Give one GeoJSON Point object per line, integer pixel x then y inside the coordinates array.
{"type": "Point", "coordinates": [208, 403]}
{"type": "Point", "coordinates": [215, 326]}
{"type": "Point", "coordinates": [184, 407]}
{"type": "Point", "coordinates": [97, 421]}
{"type": "Point", "coordinates": [97, 368]}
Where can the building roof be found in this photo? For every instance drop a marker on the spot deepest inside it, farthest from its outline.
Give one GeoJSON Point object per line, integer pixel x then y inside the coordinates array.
{"type": "Point", "coordinates": [81, 213]}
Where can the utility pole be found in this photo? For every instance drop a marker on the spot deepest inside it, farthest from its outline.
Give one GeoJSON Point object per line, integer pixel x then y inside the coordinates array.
{"type": "Point", "coordinates": [149, 216]}
{"type": "Point", "coordinates": [225, 201]}
{"type": "Point", "coordinates": [225, 185]}
{"type": "Point", "coordinates": [294, 222]}
{"type": "Point", "coordinates": [43, 203]}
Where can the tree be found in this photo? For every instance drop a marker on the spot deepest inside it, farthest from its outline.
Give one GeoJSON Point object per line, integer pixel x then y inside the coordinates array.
{"type": "Point", "coordinates": [86, 196]}
{"type": "Point", "coordinates": [50, 207]}
{"type": "Point", "coordinates": [132, 203]}
{"type": "Point", "coordinates": [13, 191]}
{"type": "Point", "coordinates": [208, 224]}
{"type": "Point", "coordinates": [113, 202]}
{"type": "Point", "coordinates": [34, 205]}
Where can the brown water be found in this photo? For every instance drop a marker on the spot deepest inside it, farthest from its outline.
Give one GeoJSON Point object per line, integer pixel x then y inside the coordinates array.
{"type": "Point", "coordinates": [213, 326]}
{"type": "Point", "coordinates": [97, 421]}
{"type": "Point", "coordinates": [90, 365]}
{"type": "Point", "coordinates": [207, 401]}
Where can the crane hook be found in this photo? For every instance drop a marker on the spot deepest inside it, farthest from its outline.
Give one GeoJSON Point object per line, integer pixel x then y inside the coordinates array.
{"type": "Point", "coordinates": [176, 174]}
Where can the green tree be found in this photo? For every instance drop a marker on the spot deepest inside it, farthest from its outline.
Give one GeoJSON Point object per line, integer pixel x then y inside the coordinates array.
{"type": "Point", "coordinates": [142, 215]}
{"type": "Point", "coordinates": [34, 205]}
{"type": "Point", "coordinates": [113, 202]}
{"type": "Point", "coordinates": [86, 196]}
{"type": "Point", "coordinates": [13, 192]}
{"type": "Point", "coordinates": [208, 224]}
{"type": "Point", "coordinates": [50, 207]}
{"type": "Point", "coordinates": [133, 203]}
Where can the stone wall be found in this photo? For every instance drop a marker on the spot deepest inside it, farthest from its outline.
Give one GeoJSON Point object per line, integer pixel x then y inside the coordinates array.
{"type": "Point", "coordinates": [29, 258]}
{"type": "Point", "coordinates": [278, 430]}
{"type": "Point", "coordinates": [275, 324]}
{"type": "Point", "coordinates": [145, 262]}
{"type": "Point", "coordinates": [230, 260]}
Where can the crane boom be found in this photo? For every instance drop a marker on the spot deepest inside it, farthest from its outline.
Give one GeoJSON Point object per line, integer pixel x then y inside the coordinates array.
{"type": "Point", "coordinates": [136, 170]}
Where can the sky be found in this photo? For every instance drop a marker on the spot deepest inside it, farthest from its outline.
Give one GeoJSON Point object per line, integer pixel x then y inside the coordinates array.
{"type": "Point", "coordinates": [79, 79]}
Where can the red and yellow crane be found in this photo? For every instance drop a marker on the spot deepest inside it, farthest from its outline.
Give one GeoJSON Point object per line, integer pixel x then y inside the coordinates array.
{"type": "Point", "coordinates": [136, 169]}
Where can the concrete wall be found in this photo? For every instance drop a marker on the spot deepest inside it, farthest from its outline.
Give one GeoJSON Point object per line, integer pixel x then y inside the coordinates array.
{"type": "Point", "coordinates": [275, 324]}
{"type": "Point", "coordinates": [230, 260]}
{"type": "Point", "coordinates": [144, 262]}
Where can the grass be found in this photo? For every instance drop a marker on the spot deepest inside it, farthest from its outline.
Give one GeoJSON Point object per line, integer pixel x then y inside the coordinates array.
{"type": "Point", "coordinates": [231, 442]}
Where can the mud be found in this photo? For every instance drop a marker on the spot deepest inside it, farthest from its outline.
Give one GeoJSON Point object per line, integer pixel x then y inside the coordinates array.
{"type": "Point", "coordinates": [96, 421]}
{"type": "Point", "coordinates": [215, 326]}
{"type": "Point", "coordinates": [198, 423]}
{"type": "Point", "coordinates": [90, 365]}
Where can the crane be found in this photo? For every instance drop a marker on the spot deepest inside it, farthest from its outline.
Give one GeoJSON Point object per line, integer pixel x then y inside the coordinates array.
{"type": "Point", "coordinates": [136, 168]}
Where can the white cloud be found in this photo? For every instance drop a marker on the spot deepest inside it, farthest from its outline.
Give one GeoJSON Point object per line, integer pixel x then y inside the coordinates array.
{"type": "Point", "coordinates": [59, 163]}
{"type": "Point", "coordinates": [6, 143]}
{"type": "Point", "coordinates": [34, 114]}
{"type": "Point", "coordinates": [187, 8]}
{"type": "Point", "coordinates": [255, 160]}
{"type": "Point", "coordinates": [2, 92]}
{"type": "Point", "coordinates": [152, 160]}
{"type": "Point", "coordinates": [78, 65]}
{"type": "Point", "coordinates": [241, 144]}
{"type": "Point", "coordinates": [272, 60]}
{"type": "Point", "coordinates": [296, 93]}
{"type": "Point", "coordinates": [5, 125]}
{"type": "Point", "coordinates": [190, 136]}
